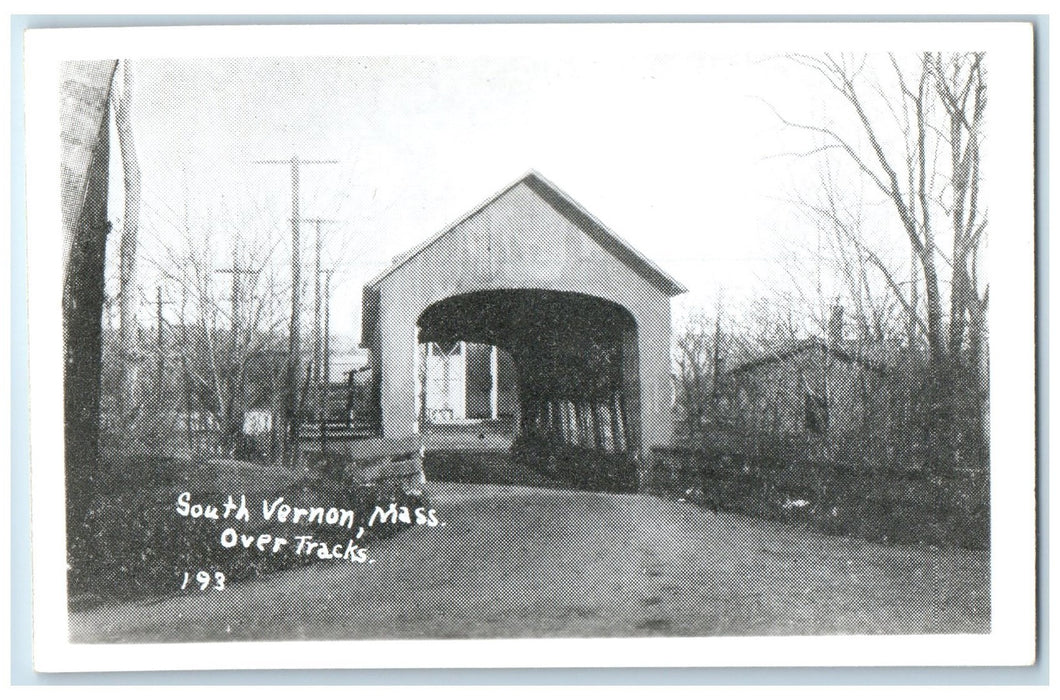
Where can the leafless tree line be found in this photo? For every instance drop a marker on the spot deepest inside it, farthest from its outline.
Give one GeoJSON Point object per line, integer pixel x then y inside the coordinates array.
{"type": "Point", "coordinates": [915, 129]}
{"type": "Point", "coordinates": [190, 311]}
{"type": "Point", "coordinates": [901, 227]}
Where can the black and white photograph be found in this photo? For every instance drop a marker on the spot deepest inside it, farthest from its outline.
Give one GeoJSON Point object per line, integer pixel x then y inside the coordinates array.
{"type": "Point", "coordinates": [553, 336]}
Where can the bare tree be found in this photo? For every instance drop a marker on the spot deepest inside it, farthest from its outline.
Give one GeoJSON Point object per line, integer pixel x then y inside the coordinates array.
{"type": "Point", "coordinates": [865, 281]}
{"type": "Point", "coordinates": [228, 345]}
{"type": "Point", "coordinates": [900, 118]}
{"type": "Point", "coordinates": [127, 295]}
{"type": "Point", "coordinates": [913, 129]}
{"type": "Point", "coordinates": [961, 88]}
{"type": "Point", "coordinates": [696, 359]}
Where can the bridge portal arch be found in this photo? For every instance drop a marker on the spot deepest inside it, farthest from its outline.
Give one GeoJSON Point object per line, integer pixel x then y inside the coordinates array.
{"type": "Point", "coordinates": [584, 315]}
{"type": "Point", "coordinates": [574, 356]}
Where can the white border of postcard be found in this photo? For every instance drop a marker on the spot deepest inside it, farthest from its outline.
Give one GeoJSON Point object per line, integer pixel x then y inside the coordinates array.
{"type": "Point", "coordinates": [1010, 176]}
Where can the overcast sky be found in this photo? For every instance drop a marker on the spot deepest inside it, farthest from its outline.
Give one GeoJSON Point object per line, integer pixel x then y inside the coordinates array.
{"type": "Point", "coordinates": [681, 155]}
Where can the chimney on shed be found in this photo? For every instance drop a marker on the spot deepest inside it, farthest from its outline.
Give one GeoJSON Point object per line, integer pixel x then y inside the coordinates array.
{"type": "Point", "coordinates": [835, 326]}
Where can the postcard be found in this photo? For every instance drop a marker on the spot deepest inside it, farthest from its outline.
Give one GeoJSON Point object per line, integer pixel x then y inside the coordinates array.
{"type": "Point", "coordinates": [551, 345]}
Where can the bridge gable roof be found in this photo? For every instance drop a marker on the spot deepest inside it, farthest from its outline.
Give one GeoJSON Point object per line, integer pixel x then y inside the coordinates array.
{"type": "Point", "coordinates": [566, 206]}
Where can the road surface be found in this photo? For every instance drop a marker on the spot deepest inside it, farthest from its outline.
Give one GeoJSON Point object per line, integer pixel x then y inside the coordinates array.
{"type": "Point", "coordinates": [521, 561]}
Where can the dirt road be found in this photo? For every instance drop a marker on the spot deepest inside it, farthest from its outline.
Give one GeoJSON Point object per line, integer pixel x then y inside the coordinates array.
{"type": "Point", "coordinates": [517, 561]}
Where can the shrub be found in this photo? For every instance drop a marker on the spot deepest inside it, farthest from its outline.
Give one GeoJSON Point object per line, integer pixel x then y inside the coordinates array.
{"type": "Point", "coordinates": [579, 467]}
{"type": "Point", "coordinates": [132, 544]}
{"type": "Point", "coordinates": [837, 499]}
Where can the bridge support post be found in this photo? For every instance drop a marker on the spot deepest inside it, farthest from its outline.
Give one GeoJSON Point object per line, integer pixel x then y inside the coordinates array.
{"type": "Point", "coordinates": [418, 372]}
{"type": "Point", "coordinates": [494, 386]}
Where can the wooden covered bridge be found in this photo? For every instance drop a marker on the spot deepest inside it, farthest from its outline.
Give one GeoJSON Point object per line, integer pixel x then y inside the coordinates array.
{"type": "Point", "coordinates": [584, 316]}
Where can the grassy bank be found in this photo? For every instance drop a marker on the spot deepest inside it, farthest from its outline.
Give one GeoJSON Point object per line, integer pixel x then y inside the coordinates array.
{"type": "Point", "coordinates": [912, 507]}
{"type": "Point", "coordinates": [132, 543]}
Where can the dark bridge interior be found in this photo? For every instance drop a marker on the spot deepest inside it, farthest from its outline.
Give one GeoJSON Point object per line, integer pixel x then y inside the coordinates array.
{"type": "Point", "coordinates": [572, 354]}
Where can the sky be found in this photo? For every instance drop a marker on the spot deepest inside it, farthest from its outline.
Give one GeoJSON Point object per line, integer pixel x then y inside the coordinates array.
{"type": "Point", "coordinates": [682, 155]}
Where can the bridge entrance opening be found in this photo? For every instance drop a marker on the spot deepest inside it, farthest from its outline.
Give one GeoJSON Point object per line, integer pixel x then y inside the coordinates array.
{"type": "Point", "coordinates": [550, 374]}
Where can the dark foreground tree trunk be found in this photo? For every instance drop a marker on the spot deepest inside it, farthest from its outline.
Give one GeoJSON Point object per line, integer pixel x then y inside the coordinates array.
{"type": "Point", "coordinates": [85, 92]}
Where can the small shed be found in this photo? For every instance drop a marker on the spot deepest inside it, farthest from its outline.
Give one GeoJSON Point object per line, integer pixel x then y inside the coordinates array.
{"type": "Point", "coordinates": [806, 388]}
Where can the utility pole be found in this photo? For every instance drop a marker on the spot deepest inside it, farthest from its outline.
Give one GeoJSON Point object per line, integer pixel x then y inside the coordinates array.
{"type": "Point", "coordinates": [161, 347]}
{"type": "Point", "coordinates": [324, 387]}
{"type": "Point", "coordinates": [236, 271]}
{"type": "Point", "coordinates": [295, 346]}
{"type": "Point", "coordinates": [320, 378]}
{"type": "Point", "coordinates": [327, 331]}
{"type": "Point", "coordinates": [316, 299]}
{"type": "Point", "coordinates": [316, 311]}
{"type": "Point", "coordinates": [236, 403]}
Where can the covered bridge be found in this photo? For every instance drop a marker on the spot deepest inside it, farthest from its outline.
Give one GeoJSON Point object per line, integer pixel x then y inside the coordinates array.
{"type": "Point", "coordinates": [585, 317]}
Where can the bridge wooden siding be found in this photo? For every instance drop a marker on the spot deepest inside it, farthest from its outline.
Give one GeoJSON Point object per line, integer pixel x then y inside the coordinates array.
{"type": "Point", "coordinates": [531, 236]}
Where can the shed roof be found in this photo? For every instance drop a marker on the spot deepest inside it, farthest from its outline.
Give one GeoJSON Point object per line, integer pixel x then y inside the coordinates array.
{"type": "Point", "coordinates": [573, 212]}
{"type": "Point", "coordinates": [797, 347]}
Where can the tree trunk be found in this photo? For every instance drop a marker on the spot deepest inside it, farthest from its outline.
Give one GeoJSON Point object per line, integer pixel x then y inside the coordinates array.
{"type": "Point", "coordinates": [85, 93]}
{"type": "Point", "coordinates": [130, 224]}
{"type": "Point", "coordinates": [960, 303]}
{"type": "Point", "coordinates": [979, 360]}
{"type": "Point", "coordinates": [912, 334]}
{"type": "Point", "coordinates": [936, 344]}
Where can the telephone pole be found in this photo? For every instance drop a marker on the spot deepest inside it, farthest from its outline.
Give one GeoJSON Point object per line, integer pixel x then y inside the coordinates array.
{"type": "Point", "coordinates": [316, 299]}
{"type": "Point", "coordinates": [327, 325]}
{"type": "Point", "coordinates": [236, 271]}
{"type": "Point", "coordinates": [161, 347]}
{"type": "Point", "coordinates": [236, 404]}
{"type": "Point", "coordinates": [295, 347]}
{"type": "Point", "coordinates": [324, 386]}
